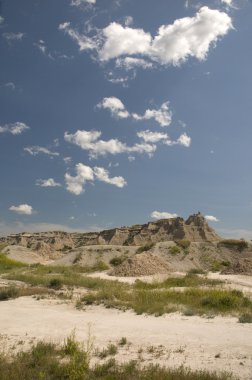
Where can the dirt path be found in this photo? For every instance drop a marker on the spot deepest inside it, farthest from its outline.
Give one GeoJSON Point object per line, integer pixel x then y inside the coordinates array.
{"type": "Point", "coordinates": [192, 341]}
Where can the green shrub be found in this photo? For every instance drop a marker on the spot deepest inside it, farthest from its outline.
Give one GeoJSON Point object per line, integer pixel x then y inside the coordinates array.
{"type": "Point", "coordinates": [245, 318]}
{"type": "Point", "coordinates": [174, 250]}
{"type": "Point", "coordinates": [183, 243]}
{"type": "Point", "coordinates": [55, 283]}
{"type": "Point", "coordinates": [196, 271]}
{"type": "Point", "coordinates": [145, 247]}
{"type": "Point", "coordinates": [116, 261]}
{"type": "Point", "coordinates": [8, 293]}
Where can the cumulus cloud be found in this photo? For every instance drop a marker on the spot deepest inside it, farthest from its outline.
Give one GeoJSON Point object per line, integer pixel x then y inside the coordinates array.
{"type": "Point", "coordinates": [35, 150]}
{"type": "Point", "coordinates": [50, 182]}
{"type": "Point", "coordinates": [184, 140]}
{"type": "Point", "coordinates": [162, 115]}
{"type": "Point", "coordinates": [227, 2]}
{"type": "Point", "coordinates": [163, 215]}
{"type": "Point", "coordinates": [211, 218]}
{"type": "Point", "coordinates": [103, 175]}
{"type": "Point", "coordinates": [115, 106]}
{"type": "Point", "coordinates": [84, 173]}
{"type": "Point", "coordinates": [23, 209]}
{"type": "Point", "coordinates": [12, 37]}
{"type": "Point", "coordinates": [89, 141]}
{"type": "Point", "coordinates": [14, 128]}
{"type": "Point", "coordinates": [173, 44]}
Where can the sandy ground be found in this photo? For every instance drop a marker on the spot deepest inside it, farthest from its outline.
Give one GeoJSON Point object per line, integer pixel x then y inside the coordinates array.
{"type": "Point", "coordinates": [192, 341]}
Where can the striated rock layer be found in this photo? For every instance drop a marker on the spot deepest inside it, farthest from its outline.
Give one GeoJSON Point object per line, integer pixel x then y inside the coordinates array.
{"type": "Point", "coordinates": [195, 229]}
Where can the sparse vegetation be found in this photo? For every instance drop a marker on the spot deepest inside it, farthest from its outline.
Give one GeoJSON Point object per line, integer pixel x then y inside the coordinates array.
{"type": "Point", "coordinates": [246, 318]}
{"type": "Point", "coordinates": [116, 261]}
{"type": "Point", "coordinates": [47, 361]}
{"type": "Point", "coordinates": [183, 243]}
{"type": "Point", "coordinates": [174, 250]}
{"type": "Point", "coordinates": [145, 247]}
{"type": "Point", "coordinates": [240, 245]}
{"type": "Point", "coordinates": [7, 264]}
{"type": "Point", "coordinates": [14, 292]}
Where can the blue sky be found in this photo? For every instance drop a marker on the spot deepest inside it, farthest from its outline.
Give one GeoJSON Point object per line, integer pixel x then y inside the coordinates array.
{"type": "Point", "coordinates": [116, 112]}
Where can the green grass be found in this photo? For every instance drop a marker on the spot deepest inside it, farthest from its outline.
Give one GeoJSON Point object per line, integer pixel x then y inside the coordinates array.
{"type": "Point", "coordinates": [46, 361]}
{"type": "Point", "coordinates": [189, 280]}
{"type": "Point", "coordinates": [11, 292]}
{"type": "Point", "coordinates": [174, 250]}
{"type": "Point", "coordinates": [7, 264]}
{"type": "Point", "coordinates": [200, 295]}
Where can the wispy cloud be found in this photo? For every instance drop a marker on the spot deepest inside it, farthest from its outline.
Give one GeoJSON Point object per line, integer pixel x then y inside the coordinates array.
{"type": "Point", "coordinates": [36, 149]}
{"type": "Point", "coordinates": [13, 37]}
{"type": "Point", "coordinates": [9, 85]}
{"type": "Point", "coordinates": [14, 128]}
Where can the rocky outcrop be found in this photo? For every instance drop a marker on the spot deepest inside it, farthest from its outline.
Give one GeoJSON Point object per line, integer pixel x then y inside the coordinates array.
{"type": "Point", "coordinates": [195, 229]}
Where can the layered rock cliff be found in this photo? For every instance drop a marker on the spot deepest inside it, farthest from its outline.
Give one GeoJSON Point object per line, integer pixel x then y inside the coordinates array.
{"type": "Point", "coordinates": [195, 229]}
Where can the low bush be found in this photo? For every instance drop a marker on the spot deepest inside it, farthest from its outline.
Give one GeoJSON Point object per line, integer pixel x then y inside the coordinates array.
{"type": "Point", "coordinates": [246, 318]}
{"type": "Point", "coordinates": [116, 261]}
{"type": "Point", "coordinates": [183, 243]}
{"type": "Point", "coordinates": [174, 250]}
{"type": "Point", "coordinates": [55, 283]}
{"type": "Point", "coordinates": [145, 247]}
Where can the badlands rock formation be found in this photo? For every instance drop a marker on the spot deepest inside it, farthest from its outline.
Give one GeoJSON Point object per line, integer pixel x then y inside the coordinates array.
{"type": "Point", "coordinates": [195, 229]}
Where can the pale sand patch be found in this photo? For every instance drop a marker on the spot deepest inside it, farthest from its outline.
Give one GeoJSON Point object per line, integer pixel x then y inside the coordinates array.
{"type": "Point", "coordinates": [201, 339]}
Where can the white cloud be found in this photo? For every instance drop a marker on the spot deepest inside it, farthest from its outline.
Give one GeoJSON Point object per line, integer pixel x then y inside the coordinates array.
{"type": "Point", "coordinates": [41, 46]}
{"type": "Point", "coordinates": [121, 40]}
{"type": "Point", "coordinates": [130, 63]}
{"type": "Point", "coordinates": [211, 218]}
{"type": "Point", "coordinates": [84, 42]}
{"type": "Point", "coordinates": [85, 173]}
{"type": "Point", "coordinates": [162, 115]}
{"type": "Point", "coordinates": [50, 182]}
{"type": "Point", "coordinates": [22, 209]}
{"type": "Point", "coordinates": [131, 158]}
{"type": "Point", "coordinates": [163, 215]}
{"type": "Point", "coordinates": [89, 140]}
{"type": "Point", "coordinates": [152, 137]}
{"type": "Point", "coordinates": [77, 3]}
{"type": "Point", "coordinates": [227, 2]}
{"type": "Point", "coordinates": [103, 175]}
{"type": "Point", "coordinates": [67, 160]}
{"type": "Point", "coordinates": [1, 19]}
{"type": "Point", "coordinates": [173, 44]}
{"type": "Point", "coordinates": [14, 128]}
{"type": "Point", "coordinates": [115, 106]}
{"type": "Point", "coordinates": [76, 184]}
{"type": "Point", "coordinates": [184, 140]}
{"type": "Point", "coordinates": [35, 150]}
{"type": "Point", "coordinates": [10, 37]}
